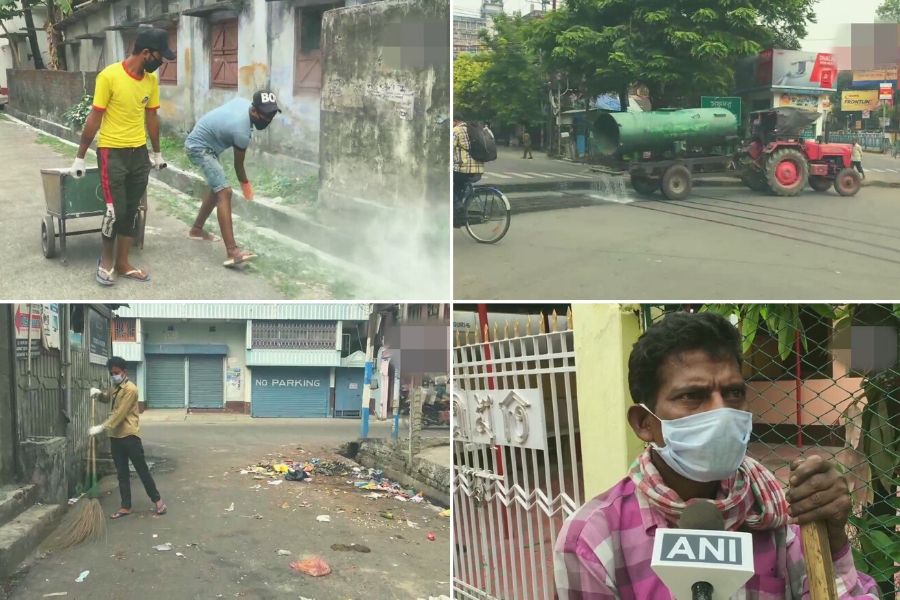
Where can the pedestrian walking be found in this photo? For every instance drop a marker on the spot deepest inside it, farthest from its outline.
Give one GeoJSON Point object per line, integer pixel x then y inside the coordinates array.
{"type": "Point", "coordinates": [856, 158]}
{"type": "Point", "coordinates": [526, 145]}
{"type": "Point", "coordinates": [229, 126]}
{"type": "Point", "coordinates": [126, 98]}
{"type": "Point", "coordinates": [123, 426]}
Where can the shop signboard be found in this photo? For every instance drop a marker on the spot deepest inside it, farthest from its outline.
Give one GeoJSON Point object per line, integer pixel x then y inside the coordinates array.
{"type": "Point", "coordinates": [858, 100]}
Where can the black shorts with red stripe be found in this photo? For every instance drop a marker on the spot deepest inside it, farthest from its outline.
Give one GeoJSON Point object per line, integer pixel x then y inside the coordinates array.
{"type": "Point", "coordinates": [124, 173]}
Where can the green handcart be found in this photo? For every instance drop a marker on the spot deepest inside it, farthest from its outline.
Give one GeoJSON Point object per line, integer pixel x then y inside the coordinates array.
{"type": "Point", "coordinates": [69, 198]}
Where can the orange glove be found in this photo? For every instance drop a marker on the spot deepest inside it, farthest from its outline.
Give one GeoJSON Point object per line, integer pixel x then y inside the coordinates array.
{"type": "Point", "coordinates": [248, 190]}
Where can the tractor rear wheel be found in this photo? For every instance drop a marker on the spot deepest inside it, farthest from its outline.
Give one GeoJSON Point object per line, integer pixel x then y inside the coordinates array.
{"type": "Point", "coordinates": [847, 182]}
{"type": "Point", "coordinates": [676, 183]}
{"type": "Point", "coordinates": [819, 183]}
{"type": "Point", "coordinates": [787, 172]}
{"type": "Point", "coordinates": [645, 186]}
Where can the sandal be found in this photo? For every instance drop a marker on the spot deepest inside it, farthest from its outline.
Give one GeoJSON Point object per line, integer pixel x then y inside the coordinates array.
{"type": "Point", "coordinates": [205, 237]}
{"type": "Point", "coordinates": [161, 510]}
{"type": "Point", "coordinates": [119, 514]}
{"type": "Point", "coordinates": [240, 259]}
{"type": "Point", "coordinates": [105, 277]}
{"type": "Point", "coordinates": [137, 275]}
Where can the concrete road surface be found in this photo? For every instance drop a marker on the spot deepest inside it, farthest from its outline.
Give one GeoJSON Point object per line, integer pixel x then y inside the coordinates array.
{"type": "Point", "coordinates": [724, 242]}
{"type": "Point", "coordinates": [233, 553]}
{"type": "Point", "coordinates": [180, 268]}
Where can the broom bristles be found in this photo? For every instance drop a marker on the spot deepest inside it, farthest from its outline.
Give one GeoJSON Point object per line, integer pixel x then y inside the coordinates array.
{"type": "Point", "coordinates": [89, 523]}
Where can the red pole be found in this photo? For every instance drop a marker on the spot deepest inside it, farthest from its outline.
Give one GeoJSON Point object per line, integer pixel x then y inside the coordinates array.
{"type": "Point", "coordinates": [799, 391]}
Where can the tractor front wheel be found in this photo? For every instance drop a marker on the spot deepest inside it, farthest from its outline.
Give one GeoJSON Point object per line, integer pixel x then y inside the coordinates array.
{"type": "Point", "coordinates": [787, 172]}
{"type": "Point", "coordinates": [847, 182]}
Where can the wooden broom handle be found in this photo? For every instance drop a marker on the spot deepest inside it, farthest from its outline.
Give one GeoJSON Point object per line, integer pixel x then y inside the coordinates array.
{"type": "Point", "coordinates": [819, 566]}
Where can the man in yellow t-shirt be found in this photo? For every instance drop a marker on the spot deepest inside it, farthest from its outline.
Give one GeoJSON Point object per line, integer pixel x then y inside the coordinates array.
{"type": "Point", "coordinates": [126, 97]}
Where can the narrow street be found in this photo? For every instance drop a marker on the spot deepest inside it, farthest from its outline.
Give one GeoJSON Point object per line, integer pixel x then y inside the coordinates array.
{"type": "Point", "coordinates": [226, 528]}
{"type": "Point", "coordinates": [180, 268]}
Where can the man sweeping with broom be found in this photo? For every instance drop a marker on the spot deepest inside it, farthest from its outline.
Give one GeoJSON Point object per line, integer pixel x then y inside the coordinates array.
{"type": "Point", "coordinates": [123, 427]}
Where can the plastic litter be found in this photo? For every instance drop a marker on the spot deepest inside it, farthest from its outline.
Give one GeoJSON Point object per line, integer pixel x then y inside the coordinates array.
{"type": "Point", "coordinates": [229, 509]}
{"type": "Point", "coordinates": [387, 515]}
{"type": "Point", "coordinates": [284, 553]}
{"type": "Point", "coordinates": [411, 524]}
{"type": "Point", "coordinates": [276, 482]}
{"type": "Point", "coordinates": [82, 577]}
{"type": "Point", "coordinates": [374, 496]}
{"type": "Point", "coordinates": [350, 548]}
{"type": "Point", "coordinates": [179, 554]}
{"type": "Point", "coordinates": [295, 475]}
{"type": "Point", "coordinates": [163, 547]}
{"type": "Point", "coordinates": [444, 513]}
{"type": "Point", "coordinates": [323, 519]}
{"type": "Point", "coordinates": [313, 566]}
{"type": "Point", "coordinates": [281, 468]}
{"type": "Point", "coordinates": [431, 537]}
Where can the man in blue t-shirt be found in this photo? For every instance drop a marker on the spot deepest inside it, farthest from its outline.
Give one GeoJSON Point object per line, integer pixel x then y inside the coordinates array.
{"type": "Point", "coordinates": [228, 126]}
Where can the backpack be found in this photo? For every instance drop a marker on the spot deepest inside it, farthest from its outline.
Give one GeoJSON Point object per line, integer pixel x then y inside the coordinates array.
{"type": "Point", "coordinates": [482, 146]}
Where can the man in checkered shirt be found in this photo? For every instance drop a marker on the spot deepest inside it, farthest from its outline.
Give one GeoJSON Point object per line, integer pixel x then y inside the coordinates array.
{"type": "Point", "coordinates": [685, 379]}
{"type": "Point", "coordinates": [465, 168]}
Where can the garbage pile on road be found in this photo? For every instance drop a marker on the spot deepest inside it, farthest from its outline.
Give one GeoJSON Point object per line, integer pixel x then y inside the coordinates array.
{"type": "Point", "coordinates": [296, 470]}
{"type": "Point", "coordinates": [379, 486]}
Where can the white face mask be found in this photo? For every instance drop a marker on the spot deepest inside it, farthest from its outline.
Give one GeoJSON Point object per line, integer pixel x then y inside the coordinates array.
{"type": "Point", "coordinates": [707, 446]}
{"type": "Point", "coordinates": [118, 379]}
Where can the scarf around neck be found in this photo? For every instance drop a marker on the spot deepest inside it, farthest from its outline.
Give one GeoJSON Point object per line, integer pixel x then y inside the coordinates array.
{"type": "Point", "coordinates": [752, 497]}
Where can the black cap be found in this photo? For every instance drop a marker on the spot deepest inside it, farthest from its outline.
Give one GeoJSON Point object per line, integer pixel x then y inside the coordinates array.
{"type": "Point", "coordinates": [265, 102]}
{"type": "Point", "coordinates": [153, 38]}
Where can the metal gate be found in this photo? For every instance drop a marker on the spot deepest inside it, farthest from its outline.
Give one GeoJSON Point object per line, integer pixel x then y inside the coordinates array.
{"type": "Point", "coordinates": [165, 381]}
{"type": "Point", "coordinates": [206, 382]}
{"type": "Point", "coordinates": [517, 475]}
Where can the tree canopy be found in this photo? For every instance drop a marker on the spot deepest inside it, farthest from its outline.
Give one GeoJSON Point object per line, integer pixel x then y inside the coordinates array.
{"type": "Point", "coordinates": [889, 10]}
{"type": "Point", "coordinates": [677, 48]}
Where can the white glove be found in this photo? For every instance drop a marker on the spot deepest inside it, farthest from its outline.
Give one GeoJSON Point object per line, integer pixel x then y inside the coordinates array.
{"type": "Point", "coordinates": [111, 212]}
{"type": "Point", "coordinates": [96, 429]}
{"type": "Point", "coordinates": [95, 393]}
{"type": "Point", "coordinates": [157, 161]}
{"type": "Point", "coordinates": [78, 169]}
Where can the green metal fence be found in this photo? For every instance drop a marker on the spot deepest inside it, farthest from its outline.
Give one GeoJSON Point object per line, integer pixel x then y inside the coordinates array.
{"type": "Point", "coordinates": [825, 379]}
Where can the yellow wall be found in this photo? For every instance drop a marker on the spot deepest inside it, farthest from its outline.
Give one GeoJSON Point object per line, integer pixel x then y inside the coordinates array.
{"type": "Point", "coordinates": [604, 334]}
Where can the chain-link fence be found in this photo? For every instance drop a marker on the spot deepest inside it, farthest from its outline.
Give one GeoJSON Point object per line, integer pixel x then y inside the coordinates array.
{"type": "Point", "coordinates": [825, 379]}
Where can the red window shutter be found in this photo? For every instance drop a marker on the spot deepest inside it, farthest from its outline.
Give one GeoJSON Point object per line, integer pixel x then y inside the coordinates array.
{"type": "Point", "coordinates": [168, 72]}
{"type": "Point", "coordinates": [224, 49]}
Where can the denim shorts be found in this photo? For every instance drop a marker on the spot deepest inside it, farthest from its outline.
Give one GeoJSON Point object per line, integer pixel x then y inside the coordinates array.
{"type": "Point", "coordinates": [211, 167]}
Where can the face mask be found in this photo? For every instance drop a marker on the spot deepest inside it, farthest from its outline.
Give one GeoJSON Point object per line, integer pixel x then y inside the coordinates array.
{"type": "Point", "coordinates": [118, 379]}
{"type": "Point", "coordinates": [708, 446]}
{"type": "Point", "coordinates": [259, 123]}
{"type": "Point", "coordinates": [152, 65]}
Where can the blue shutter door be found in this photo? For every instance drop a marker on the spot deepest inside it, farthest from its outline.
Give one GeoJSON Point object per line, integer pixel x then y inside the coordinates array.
{"type": "Point", "coordinates": [205, 382]}
{"type": "Point", "coordinates": [165, 381]}
{"type": "Point", "coordinates": [348, 391]}
{"type": "Point", "coordinates": [290, 392]}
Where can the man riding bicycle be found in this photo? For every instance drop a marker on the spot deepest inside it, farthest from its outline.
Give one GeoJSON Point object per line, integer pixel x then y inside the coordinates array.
{"type": "Point", "coordinates": [466, 170]}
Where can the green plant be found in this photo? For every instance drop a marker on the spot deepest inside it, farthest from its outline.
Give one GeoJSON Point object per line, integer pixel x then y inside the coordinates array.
{"type": "Point", "coordinates": [878, 550]}
{"type": "Point", "coordinates": [78, 114]}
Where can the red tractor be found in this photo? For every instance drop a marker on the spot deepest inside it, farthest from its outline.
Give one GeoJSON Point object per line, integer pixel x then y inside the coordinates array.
{"type": "Point", "coordinates": [779, 161]}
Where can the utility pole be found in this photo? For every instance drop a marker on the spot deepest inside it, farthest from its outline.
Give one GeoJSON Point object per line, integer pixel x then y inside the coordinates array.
{"type": "Point", "coordinates": [371, 330]}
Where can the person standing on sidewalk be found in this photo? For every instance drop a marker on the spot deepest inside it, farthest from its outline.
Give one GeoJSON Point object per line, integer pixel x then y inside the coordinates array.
{"type": "Point", "coordinates": [856, 158]}
{"type": "Point", "coordinates": [123, 426]}
{"type": "Point", "coordinates": [126, 98]}
{"type": "Point", "coordinates": [526, 145]}
{"type": "Point", "coordinates": [228, 126]}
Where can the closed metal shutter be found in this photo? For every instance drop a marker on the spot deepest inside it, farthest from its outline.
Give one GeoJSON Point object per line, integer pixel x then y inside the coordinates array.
{"type": "Point", "coordinates": [205, 382]}
{"type": "Point", "coordinates": [348, 389]}
{"type": "Point", "coordinates": [165, 381]}
{"type": "Point", "coordinates": [290, 392]}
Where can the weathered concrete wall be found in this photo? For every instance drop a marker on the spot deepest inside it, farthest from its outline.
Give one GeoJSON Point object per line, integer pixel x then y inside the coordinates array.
{"type": "Point", "coordinates": [386, 103]}
{"type": "Point", "coordinates": [47, 94]}
{"type": "Point", "coordinates": [42, 461]}
{"type": "Point", "coordinates": [423, 475]}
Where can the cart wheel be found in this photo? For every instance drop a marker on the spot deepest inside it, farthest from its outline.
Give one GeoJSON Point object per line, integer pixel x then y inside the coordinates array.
{"type": "Point", "coordinates": [676, 182]}
{"type": "Point", "coordinates": [48, 237]}
{"type": "Point", "coordinates": [140, 225]}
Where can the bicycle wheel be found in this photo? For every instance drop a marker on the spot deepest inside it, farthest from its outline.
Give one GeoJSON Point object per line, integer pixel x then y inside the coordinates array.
{"type": "Point", "coordinates": [487, 215]}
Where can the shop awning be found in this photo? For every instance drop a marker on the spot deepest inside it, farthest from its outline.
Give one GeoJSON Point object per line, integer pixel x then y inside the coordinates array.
{"type": "Point", "coordinates": [214, 349]}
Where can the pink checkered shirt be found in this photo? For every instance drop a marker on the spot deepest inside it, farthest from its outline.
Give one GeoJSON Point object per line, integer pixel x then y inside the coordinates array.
{"type": "Point", "coordinates": [604, 551]}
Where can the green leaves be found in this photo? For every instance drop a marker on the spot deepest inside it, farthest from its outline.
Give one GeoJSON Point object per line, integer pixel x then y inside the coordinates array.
{"type": "Point", "coordinates": [889, 10]}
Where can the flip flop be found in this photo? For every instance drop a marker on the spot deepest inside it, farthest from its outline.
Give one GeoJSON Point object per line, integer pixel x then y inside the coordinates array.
{"type": "Point", "coordinates": [206, 237]}
{"type": "Point", "coordinates": [244, 257]}
{"type": "Point", "coordinates": [161, 511]}
{"type": "Point", "coordinates": [105, 277]}
{"type": "Point", "coordinates": [134, 274]}
{"type": "Point", "coordinates": [119, 514]}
